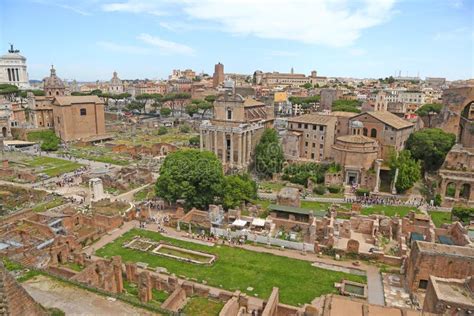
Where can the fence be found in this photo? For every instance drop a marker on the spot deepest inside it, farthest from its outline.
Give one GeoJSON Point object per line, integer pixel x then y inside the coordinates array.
{"type": "Point", "coordinates": [263, 239]}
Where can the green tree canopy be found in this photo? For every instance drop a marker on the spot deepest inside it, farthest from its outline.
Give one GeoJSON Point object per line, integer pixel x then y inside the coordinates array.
{"type": "Point", "coordinates": [210, 98]}
{"type": "Point", "coordinates": [425, 109]}
{"type": "Point", "coordinates": [192, 175]}
{"type": "Point", "coordinates": [9, 91]}
{"type": "Point", "coordinates": [238, 188]}
{"type": "Point", "coordinates": [465, 214]}
{"type": "Point", "coordinates": [194, 141]}
{"type": "Point", "coordinates": [192, 109]}
{"type": "Point", "coordinates": [430, 145]}
{"type": "Point", "coordinates": [307, 86]}
{"type": "Point", "coordinates": [165, 112]}
{"type": "Point", "coordinates": [346, 106]}
{"type": "Point", "coordinates": [409, 170]}
{"type": "Point", "coordinates": [268, 154]}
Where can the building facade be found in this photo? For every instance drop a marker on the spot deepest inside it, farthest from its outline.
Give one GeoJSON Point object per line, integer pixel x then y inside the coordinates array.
{"type": "Point", "coordinates": [235, 130]}
{"type": "Point", "coordinates": [13, 69]}
{"type": "Point", "coordinates": [309, 137]}
{"type": "Point", "coordinates": [78, 117]}
{"type": "Point", "coordinates": [115, 85]}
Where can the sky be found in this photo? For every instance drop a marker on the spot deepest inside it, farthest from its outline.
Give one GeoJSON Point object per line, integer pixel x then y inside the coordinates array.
{"type": "Point", "coordinates": [87, 40]}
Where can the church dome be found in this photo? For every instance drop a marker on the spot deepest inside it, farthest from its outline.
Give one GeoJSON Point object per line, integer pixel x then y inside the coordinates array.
{"type": "Point", "coordinates": [53, 81]}
{"type": "Point", "coordinates": [357, 124]}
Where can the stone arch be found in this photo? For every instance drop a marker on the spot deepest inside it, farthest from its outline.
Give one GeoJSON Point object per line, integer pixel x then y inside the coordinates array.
{"type": "Point", "coordinates": [4, 132]}
{"type": "Point", "coordinates": [373, 133]}
{"type": "Point", "coordinates": [450, 190]}
{"type": "Point", "coordinates": [465, 192]}
{"type": "Point", "coordinates": [466, 125]}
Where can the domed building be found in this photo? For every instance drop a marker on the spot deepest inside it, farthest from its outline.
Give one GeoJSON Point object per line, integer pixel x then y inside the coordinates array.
{"type": "Point", "coordinates": [13, 69]}
{"type": "Point", "coordinates": [53, 86]}
{"type": "Point", "coordinates": [357, 154]}
{"type": "Point", "coordinates": [115, 86]}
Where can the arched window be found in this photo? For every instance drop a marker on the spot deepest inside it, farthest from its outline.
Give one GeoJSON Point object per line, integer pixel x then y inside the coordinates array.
{"type": "Point", "coordinates": [465, 191]}
{"type": "Point", "coordinates": [450, 190]}
{"type": "Point", "coordinates": [373, 133]}
{"type": "Point", "coordinates": [57, 92]}
{"type": "Point", "coordinates": [365, 131]}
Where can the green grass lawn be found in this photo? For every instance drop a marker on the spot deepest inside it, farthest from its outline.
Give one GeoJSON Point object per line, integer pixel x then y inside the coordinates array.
{"type": "Point", "coordinates": [271, 186]}
{"type": "Point", "coordinates": [238, 269]}
{"type": "Point", "coordinates": [100, 154]}
{"type": "Point", "coordinates": [439, 218]}
{"type": "Point", "coordinates": [388, 210]}
{"type": "Point", "coordinates": [44, 206]}
{"type": "Point", "coordinates": [53, 166]}
{"type": "Point", "coordinates": [200, 306]}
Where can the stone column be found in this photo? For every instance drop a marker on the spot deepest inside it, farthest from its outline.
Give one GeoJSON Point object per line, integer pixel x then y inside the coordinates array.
{"type": "Point", "coordinates": [378, 164]}
{"type": "Point", "coordinates": [231, 149]}
{"type": "Point", "coordinates": [201, 145]}
{"type": "Point", "coordinates": [239, 149]}
{"type": "Point", "coordinates": [224, 149]}
{"type": "Point", "coordinates": [249, 145]}
{"type": "Point", "coordinates": [458, 190]}
{"type": "Point", "coordinates": [215, 142]}
{"type": "Point", "coordinates": [208, 140]}
{"type": "Point", "coordinates": [394, 188]}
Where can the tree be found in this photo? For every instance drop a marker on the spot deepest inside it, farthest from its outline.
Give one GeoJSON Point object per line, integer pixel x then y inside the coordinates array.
{"type": "Point", "coordinates": [184, 129]}
{"type": "Point", "coordinates": [193, 175]}
{"type": "Point", "coordinates": [307, 86]}
{"type": "Point", "coordinates": [9, 91]}
{"type": "Point", "coordinates": [97, 92]}
{"type": "Point", "coordinates": [409, 170]}
{"type": "Point", "coordinates": [430, 146]}
{"type": "Point", "coordinates": [204, 107]}
{"type": "Point", "coordinates": [346, 106]}
{"type": "Point", "coordinates": [165, 112]}
{"type": "Point", "coordinates": [268, 154]}
{"type": "Point", "coordinates": [428, 108]}
{"type": "Point", "coordinates": [465, 214]}
{"type": "Point", "coordinates": [36, 92]}
{"type": "Point", "coordinates": [134, 105]}
{"type": "Point", "coordinates": [162, 130]}
{"type": "Point", "coordinates": [192, 109]}
{"type": "Point", "coordinates": [238, 188]}
{"type": "Point", "coordinates": [194, 141]}
{"type": "Point", "coordinates": [210, 98]}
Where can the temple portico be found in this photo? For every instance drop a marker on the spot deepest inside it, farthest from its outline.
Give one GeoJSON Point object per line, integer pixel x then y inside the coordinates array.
{"type": "Point", "coordinates": [232, 145]}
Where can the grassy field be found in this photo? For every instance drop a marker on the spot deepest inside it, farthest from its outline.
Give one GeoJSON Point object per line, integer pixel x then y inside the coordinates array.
{"type": "Point", "coordinates": [439, 218]}
{"type": "Point", "coordinates": [388, 210]}
{"type": "Point", "coordinates": [238, 269]}
{"type": "Point", "coordinates": [173, 136]}
{"type": "Point", "coordinates": [44, 206]}
{"type": "Point", "coordinates": [53, 166]}
{"type": "Point", "coordinates": [200, 306]}
{"type": "Point", "coordinates": [100, 154]}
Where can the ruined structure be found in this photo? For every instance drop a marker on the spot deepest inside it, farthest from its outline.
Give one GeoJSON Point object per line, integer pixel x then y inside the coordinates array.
{"type": "Point", "coordinates": [14, 300]}
{"type": "Point", "coordinates": [431, 259]}
{"type": "Point", "coordinates": [457, 173]}
{"type": "Point", "coordinates": [103, 274]}
{"type": "Point", "coordinates": [449, 296]}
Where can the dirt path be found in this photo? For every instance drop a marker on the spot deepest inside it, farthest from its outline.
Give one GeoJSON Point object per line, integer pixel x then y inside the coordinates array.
{"type": "Point", "coordinates": [76, 301]}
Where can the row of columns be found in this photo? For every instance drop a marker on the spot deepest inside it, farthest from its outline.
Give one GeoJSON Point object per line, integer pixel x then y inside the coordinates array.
{"type": "Point", "coordinates": [13, 74]}
{"type": "Point", "coordinates": [210, 140]}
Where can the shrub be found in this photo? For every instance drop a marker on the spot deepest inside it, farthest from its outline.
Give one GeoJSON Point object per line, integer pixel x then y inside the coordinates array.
{"type": "Point", "coordinates": [162, 130]}
{"type": "Point", "coordinates": [437, 200]}
{"type": "Point", "coordinates": [184, 129]}
{"type": "Point", "coordinates": [362, 192]}
{"type": "Point", "coordinates": [49, 140]}
{"type": "Point", "coordinates": [334, 188]}
{"type": "Point", "coordinates": [465, 214]}
{"type": "Point", "coordinates": [319, 189]}
{"type": "Point", "coordinates": [194, 141]}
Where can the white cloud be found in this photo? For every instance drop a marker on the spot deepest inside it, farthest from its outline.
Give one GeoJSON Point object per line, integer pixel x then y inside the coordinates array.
{"type": "Point", "coordinates": [62, 5]}
{"type": "Point", "coordinates": [135, 6]}
{"type": "Point", "coordinates": [129, 49]}
{"type": "Point", "coordinates": [166, 47]}
{"type": "Point", "coordinates": [329, 22]}
{"type": "Point", "coordinates": [334, 23]}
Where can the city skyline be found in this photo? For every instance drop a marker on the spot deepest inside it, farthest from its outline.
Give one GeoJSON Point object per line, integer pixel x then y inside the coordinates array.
{"type": "Point", "coordinates": [147, 39]}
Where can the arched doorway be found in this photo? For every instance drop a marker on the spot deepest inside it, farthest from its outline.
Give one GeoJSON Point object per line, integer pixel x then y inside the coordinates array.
{"type": "Point", "coordinates": [466, 126]}
{"type": "Point", "coordinates": [4, 132]}
{"type": "Point", "coordinates": [450, 190]}
{"type": "Point", "coordinates": [465, 191]}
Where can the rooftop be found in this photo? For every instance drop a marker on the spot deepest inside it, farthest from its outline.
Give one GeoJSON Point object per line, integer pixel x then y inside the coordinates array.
{"type": "Point", "coordinates": [449, 250]}
{"type": "Point", "coordinates": [295, 210]}
{"type": "Point", "coordinates": [357, 139]}
{"type": "Point", "coordinates": [313, 119]}
{"type": "Point", "coordinates": [68, 100]}
{"type": "Point", "coordinates": [453, 291]}
{"type": "Point", "coordinates": [389, 119]}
